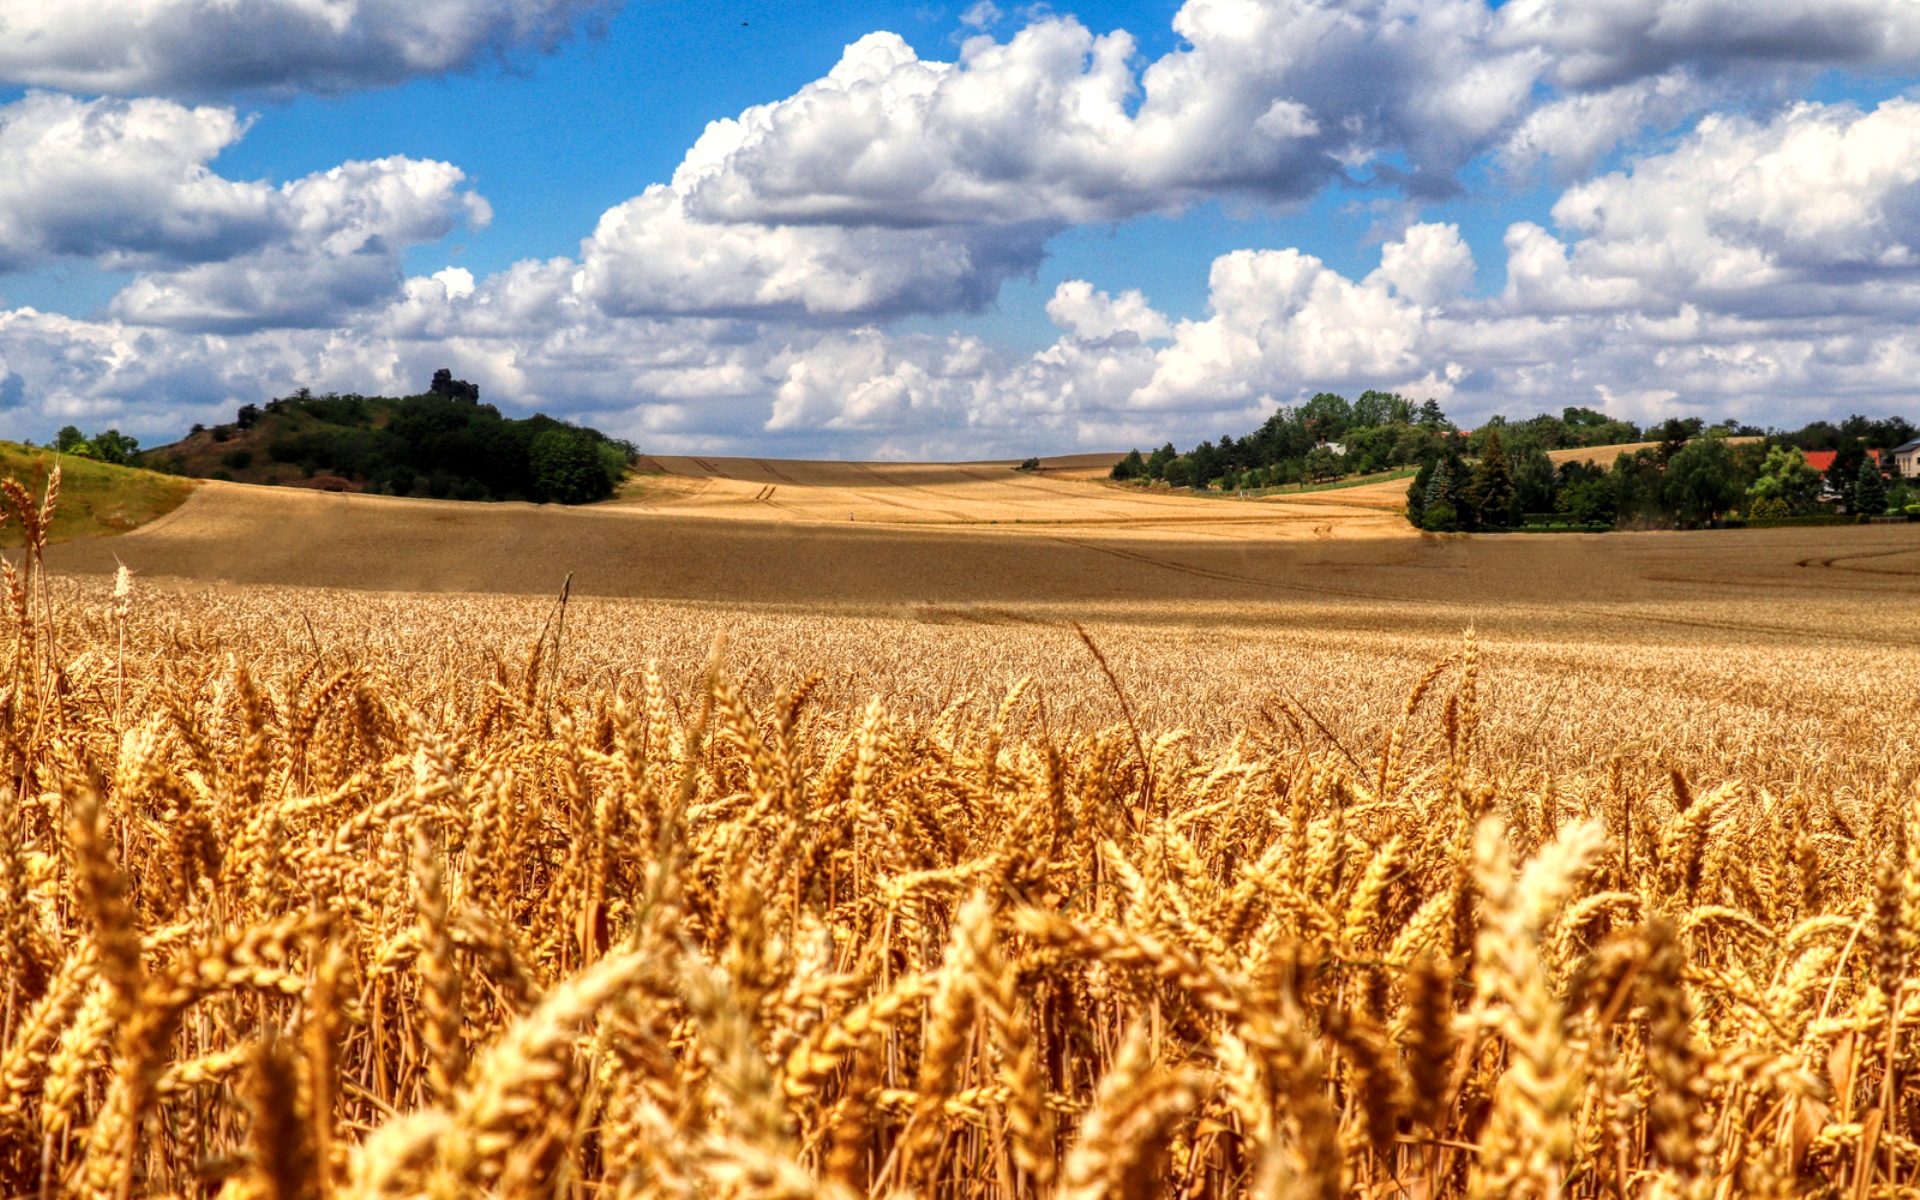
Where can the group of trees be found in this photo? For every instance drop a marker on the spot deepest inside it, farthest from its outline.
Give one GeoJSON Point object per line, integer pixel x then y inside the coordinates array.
{"type": "Point", "coordinates": [1328, 438]}
{"type": "Point", "coordinates": [444, 443]}
{"type": "Point", "coordinates": [1693, 475]}
{"type": "Point", "coordinates": [441, 443]}
{"type": "Point", "coordinates": [109, 445]}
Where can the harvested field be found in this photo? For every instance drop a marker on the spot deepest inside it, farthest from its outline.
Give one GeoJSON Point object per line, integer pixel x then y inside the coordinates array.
{"type": "Point", "coordinates": [793, 859]}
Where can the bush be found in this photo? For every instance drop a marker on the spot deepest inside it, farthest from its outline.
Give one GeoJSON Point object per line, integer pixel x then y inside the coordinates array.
{"type": "Point", "coordinates": [1440, 518]}
{"type": "Point", "coordinates": [239, 459]}
{"type": "Point", "coordinates": [567, 468]}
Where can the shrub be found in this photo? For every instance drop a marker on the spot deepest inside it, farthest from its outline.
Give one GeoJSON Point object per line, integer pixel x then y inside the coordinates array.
{"type": "Point", "coordinates": [239, 459]}
{"type": "Point", "coordinates": [1440, 517]}
{"type": "Point", "coordinates": [567, 468]}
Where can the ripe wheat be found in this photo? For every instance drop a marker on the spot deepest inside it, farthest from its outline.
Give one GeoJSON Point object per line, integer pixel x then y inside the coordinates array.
{"type": "Point", "coordinates": [295, 916]}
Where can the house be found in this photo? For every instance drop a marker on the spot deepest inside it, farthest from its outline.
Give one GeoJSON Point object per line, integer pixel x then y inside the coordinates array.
{"type": "Point", "coordinates": [1906, 459]}
{"type": "Point", "coordinates": [1822, 460]}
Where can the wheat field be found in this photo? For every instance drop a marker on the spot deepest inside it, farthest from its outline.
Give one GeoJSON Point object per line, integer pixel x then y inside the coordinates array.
{"type": "Point", "coordinates": [313, 893]}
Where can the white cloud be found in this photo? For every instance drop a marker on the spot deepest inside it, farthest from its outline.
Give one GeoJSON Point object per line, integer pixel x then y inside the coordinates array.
{"type": "Point", "coordinates": [196, 48]}
{"type": "Point", "coordinates": [1816, 211]}
{"type": "Point", "coordinates": [1756, 267]}
{"type": "Point", "coordinates": [649, 256]}
{"type": "Point", "coordinates": [341, 233]}
{"type": "Point", "coordinates": [124, 182]}
{"type": "Point", "coordinates": [1091, 315]}
{"type": "Point", "coordinates": [982, 14]}
{"type": "Point", "coordinates": [1598, 44]}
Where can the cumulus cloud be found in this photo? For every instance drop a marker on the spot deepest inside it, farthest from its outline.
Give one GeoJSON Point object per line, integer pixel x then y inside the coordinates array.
{"type": "Point", "coordinates": [1091, 315]}
{"type": "Point", "coordinates": [1816, 211]}
{"type": "Point", "coordinates": [1603, 44]}
{"type": "Point", "coordinates": [126, 183]}
{"type": "Point", "coordinates": [1755, 266]}
{"type": "Point", "coordinates": [195, 48]}
{"type": "Point", "coordinates": [340, 236]}
{"type": "Point", "coordinates": [650, 256]}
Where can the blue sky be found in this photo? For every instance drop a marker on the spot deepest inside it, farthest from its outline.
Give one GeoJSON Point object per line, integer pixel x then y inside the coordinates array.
{"type": "Point", "coordinates": [956, 231]}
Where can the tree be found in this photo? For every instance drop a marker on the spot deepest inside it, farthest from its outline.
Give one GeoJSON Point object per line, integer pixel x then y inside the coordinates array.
{"type": "Point", "coordinates": [1430, 414]}
{"type": "Point", "coordinates": [1676, 432]}
{"type": "Point", "coordinates": [1438, 512]}
{"type": "Point", "coordinates": [247, 415]}
{"type": "Point", "coordinates": [1158, 460]}
{"type": "Point", "coordinates": [566, 467]}
{"type": "Point", "coordinates": [1869, 489]}
{"type": "Point", "coordinates": [114, 447]}
{"type": "Point", "coordinates": [1323, 463]}
{"type": "Point", "coordinates": [1327, 415]}
{"type": "Point", "coordinates": [1491, 493]}
{"type": "Point", "coordinates": [1702, 481]}
{"type": "Point", "coordinates": [70, 440]}
{"type": "Point", "coordinates": [1785, 478]}
{"type": "Point", "coordinates": [1130, 467]}
{"type": "Point", "coordinates": [1534, 481]}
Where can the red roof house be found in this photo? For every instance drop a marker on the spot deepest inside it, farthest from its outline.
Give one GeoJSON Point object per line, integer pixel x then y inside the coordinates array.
{"type": "Point", "coordinates": [1822, 460]}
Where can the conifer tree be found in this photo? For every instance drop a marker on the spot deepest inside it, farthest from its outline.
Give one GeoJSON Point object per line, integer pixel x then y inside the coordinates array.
{"type": "Point", "coordinates": [1869, 489]}
{"type": "Point", "coordinates": [1491, 493]}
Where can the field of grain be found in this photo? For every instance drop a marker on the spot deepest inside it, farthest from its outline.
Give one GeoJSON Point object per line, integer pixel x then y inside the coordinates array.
{"type": "Point", "coordinates": [1432, 866]}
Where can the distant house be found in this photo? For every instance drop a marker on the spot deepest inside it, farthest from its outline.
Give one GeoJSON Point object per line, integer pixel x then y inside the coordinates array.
{"type": "Point", "coordinates": [1906, 459]}
{"type": "Point", "coordinates": [1822, 460]}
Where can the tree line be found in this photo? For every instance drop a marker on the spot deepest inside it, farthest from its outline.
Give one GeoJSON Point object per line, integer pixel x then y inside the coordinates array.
{"type": "Point", "coordinates": [1694, 474]}
{"type": "Point", "coordinates": [1500, 475]}
{"type": "Point", "coordinates": [1329, 438]}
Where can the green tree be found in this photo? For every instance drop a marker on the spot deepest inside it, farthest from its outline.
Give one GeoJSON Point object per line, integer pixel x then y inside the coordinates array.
{"type": "Point", "coordinates": [1676, 432]}
{"type": "Point", "coordinates": [1788, 478]}
{"type": "Point", "coordinates": [1157, 462]}
{"type": "Point", "coordinates": [1417, 493]}
{"type": "Point", "coordinates": [1869, 489]}
{"type": "Point", "coordinates": [114, 447]}
{"type": "Point", "coordinates": [1130, 467]}
{"type": "Point", "coordinates": [71, 441]}
{"type": "Point", "coordinates": [566, 467]}
{"type": "Point", "coordinates": [1323, 463]}
{"type": "Point", "coordinates": [1491, 493]}
{"type": "Point", "coordinates": [1702, 480]}
{"type": "Point", "coordinates": [1535, 482]}
{"type": "Point", "coordinates": [1438, 512]}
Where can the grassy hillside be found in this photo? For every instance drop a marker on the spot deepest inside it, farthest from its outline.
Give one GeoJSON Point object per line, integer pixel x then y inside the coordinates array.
{"type": "Point", "coordinates": [432, 444]}
{"type": "Point", "coordinates": [96, 499]}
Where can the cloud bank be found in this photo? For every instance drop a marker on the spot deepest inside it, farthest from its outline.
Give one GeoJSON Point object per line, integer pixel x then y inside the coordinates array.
{"type": "Point", "coordinates": [1760, 262]}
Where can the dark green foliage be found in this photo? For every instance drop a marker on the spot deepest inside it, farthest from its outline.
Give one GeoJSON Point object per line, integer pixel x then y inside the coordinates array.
{"type": "Point", "coordinates": [1587, 494]}
{"type": "Point", "coordinates": [112, 446]}
{"type": "Point", "coordinates": [1028, 464]}
{"type": "Point", "coordinates": [1491, 493]}
{"type": "Point", "coordinates": [1130, 467]}
{"type": "Point", "coordinates": [441, 443]}
{"type": "Point", "coordinates": [69, 439]}
{"type": "Point", "coordinates": [1869, 489]}
{"type": "Point", "coordinates": [566, 467]}
{"type": "Point", "coordinates": [1703, 481]}
{"type": "Point", "coordinates": [1157, 464]}
{"type": "Point", "coordinates": [238, 460]}
{"type": "Point", "coordinates": [1695, 476]}
{"type": "Point", "coordinates": [1417, 494]}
